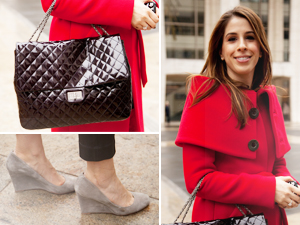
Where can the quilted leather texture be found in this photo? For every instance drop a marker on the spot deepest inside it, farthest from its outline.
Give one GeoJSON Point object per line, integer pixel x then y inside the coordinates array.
{"type": "Point", "coordinates": [258, 219]}
{"type": "Point", "coordinates": [46, 74]}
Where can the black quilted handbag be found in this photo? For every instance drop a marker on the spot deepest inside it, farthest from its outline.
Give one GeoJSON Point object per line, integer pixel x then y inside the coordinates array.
{"type": "Point", "coordinates": [252, 219]}
{"type": "Point", "coordinates": [72, 82]}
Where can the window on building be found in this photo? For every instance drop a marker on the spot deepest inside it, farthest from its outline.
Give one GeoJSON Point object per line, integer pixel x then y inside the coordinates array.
{"type": "Point", "coordinates": [286, 30]}
{"type": "Point", "coordinates": [261, 8]}
{"type": "Point", "coordinates": [283, 94]}
{"type": "Point", "coordinates": [184, 28]}
{"type": "Point", "coordinates": [175, 96]}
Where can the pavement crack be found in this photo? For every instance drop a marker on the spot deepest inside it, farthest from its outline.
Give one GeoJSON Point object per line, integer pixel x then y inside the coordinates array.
{"type": "Point", "coordinates": [5, 186]}
{"type": "Point", "coordinates": [154, 198]}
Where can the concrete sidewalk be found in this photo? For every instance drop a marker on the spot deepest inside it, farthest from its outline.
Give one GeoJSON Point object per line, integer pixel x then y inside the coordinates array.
{"type": "Point", "coordinates": [16, 28]}
{"type": "Point", "coordinates": [136, 163]}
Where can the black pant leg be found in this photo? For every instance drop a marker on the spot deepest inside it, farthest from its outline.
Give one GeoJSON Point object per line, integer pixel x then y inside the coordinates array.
{"type": "Point", "coordinates": [96, 147]}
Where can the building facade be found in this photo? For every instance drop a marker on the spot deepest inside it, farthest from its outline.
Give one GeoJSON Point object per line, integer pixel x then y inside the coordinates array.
{"type": "Point", "coordinates": [186, 30]}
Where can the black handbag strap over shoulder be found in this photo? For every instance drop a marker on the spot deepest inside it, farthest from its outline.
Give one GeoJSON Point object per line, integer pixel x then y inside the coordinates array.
{"type": "Point", "coordinates": [189, 202]}
{"type": "Point", "coordinates": [43, 23]}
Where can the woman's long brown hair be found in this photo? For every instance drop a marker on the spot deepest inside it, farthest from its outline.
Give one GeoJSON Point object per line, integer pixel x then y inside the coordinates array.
{"type": "Point", "coordinates": [216, 70]}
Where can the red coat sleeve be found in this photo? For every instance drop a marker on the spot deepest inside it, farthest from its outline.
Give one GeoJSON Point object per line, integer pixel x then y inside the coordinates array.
{"type": "Point", "coordinates": [248, 189]}
{"type": "Point", "coordinates": [280, 168]}
{"type": "Point", "coordinates": [103, 12]}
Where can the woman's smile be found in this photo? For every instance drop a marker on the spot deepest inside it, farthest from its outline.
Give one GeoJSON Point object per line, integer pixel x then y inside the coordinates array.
{"type": "Point", "coordinates": [243, 59]}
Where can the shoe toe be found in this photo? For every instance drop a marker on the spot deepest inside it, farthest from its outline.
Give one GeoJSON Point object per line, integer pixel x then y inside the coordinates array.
{"type": "Point", "coordinates": [140, 200]}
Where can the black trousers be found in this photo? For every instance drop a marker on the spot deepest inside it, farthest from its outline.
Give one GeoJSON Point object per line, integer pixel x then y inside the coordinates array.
{"type": "Point", "coordinates": [96, 147]}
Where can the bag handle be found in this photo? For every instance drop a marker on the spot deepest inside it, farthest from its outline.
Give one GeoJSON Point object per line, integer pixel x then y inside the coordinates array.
{"type": "Point", "coordinates": [93, 25]}
{"type": "Point", "coordinates": [189, 202]}
{"type": "Point", "coordinates": [45, 19]}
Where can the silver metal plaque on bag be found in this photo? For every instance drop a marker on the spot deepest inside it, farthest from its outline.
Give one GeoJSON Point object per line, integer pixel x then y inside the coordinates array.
{"type": "Point", "coordinates": [75, 96]}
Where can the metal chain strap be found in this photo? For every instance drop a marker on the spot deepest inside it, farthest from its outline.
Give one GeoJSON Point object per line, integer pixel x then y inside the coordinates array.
{"type": "Point", "coordinates": [248, 210]}
{"type": "Point", "coordinates": [45, 19]}
{"type": "Point", "coordinates": [189, 202]}
{"type": "Point", "coordinates": [240, 210]}
{"type": "Point", "coordinates": [96, 30]}
{"type": "Point", "coordinates": [101, 29]}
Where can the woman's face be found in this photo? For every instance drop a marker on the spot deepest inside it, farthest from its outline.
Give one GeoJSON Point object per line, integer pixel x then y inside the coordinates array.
{"type": "Point", "coordinates": [240, 50]}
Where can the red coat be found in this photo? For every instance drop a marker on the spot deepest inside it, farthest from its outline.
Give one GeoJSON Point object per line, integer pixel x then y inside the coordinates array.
{"type": "Point", "coordinates": [213, 144]}
{"type": "Point", "coordinates": [72, 19]}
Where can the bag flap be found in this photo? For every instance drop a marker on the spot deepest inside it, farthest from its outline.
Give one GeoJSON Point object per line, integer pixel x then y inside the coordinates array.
{"type": "Point", "coordinates": [41, 66]}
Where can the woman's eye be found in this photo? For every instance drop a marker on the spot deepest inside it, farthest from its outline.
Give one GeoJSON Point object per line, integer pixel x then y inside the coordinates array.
{"type": "Point", "coordinates": [232, 39]}
{"type": "Point", "coordinates": [250, 38]}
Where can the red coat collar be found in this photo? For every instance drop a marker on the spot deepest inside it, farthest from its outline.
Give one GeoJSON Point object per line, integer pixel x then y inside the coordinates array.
{"type": "Point", "coordinates": [281, 141]}
{"type": "Point", "coordinates": [209, 124]}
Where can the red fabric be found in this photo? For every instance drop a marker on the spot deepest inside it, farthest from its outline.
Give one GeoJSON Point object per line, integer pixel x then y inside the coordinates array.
{"type": "Point", "coordinates": [72, 19]}
{"type": "Point", "coordinates": [214, 145]}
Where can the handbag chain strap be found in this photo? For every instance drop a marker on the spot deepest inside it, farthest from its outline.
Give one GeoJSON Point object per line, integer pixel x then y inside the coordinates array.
{"type": "Point", "coordinates": [45, 19]}
{"type": "Point", "coordinates": [100, 28]}
{"type": "Point", "coordinates": [248, 210]}
{"type": "Point", "coordinates": [189, 202]}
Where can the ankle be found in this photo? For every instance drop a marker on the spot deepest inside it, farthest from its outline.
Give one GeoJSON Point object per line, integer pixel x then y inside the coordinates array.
{"type": "Point", "coordinates": [101, 180]}
{"type": "Point", "coordinates": [113, 189]}
{"type": "Point", "coordinates": [32, 159]}
{"type": "Point", "coordinates": [31, 155]}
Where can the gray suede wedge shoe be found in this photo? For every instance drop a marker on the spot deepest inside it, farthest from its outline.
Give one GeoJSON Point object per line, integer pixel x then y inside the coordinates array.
{"type": "Point", "coordinates": [25, 178]}
{"type": "Point", "coordinates": [92, 200]}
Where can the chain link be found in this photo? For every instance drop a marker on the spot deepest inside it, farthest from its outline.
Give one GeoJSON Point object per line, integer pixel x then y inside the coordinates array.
{"type": "Point", "coordinates": [45, 19]}
{"type": "Point", "coordinates": [93, 25]}
{"type": "Point", "coordinates": [189, 201]}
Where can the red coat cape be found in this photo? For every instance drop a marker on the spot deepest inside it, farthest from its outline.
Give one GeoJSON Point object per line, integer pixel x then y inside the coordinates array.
{"type": "Point", "coordinates": [72, 19]}
{"type": "Point", "coordinates": [207, 123]}
{"type": "Point", "coordinates": [213, 144]}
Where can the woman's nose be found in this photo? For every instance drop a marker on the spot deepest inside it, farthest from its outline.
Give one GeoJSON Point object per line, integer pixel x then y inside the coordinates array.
{"type": "Point", "coordinates": [242, 46]}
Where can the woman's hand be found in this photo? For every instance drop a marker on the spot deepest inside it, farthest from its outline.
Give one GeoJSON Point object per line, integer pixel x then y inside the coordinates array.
{"type": "Point", "coordinates": [286, 195]}
{"type": "Point", "coordinates": [143, 18]}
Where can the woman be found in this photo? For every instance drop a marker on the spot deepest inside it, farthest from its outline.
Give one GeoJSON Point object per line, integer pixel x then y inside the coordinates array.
{"type": "Point", "coordinates": [99, 190]}
{"type": "Point", "coordinates": [72, 19]}
{"type": "Point", "coordinates": [232, 127]}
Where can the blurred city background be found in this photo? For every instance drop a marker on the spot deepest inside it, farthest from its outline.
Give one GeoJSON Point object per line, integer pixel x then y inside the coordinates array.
{"type": "Point", "coordinates": [18, 21]}
{"type": "Point", "coordinates": [186, 29]}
